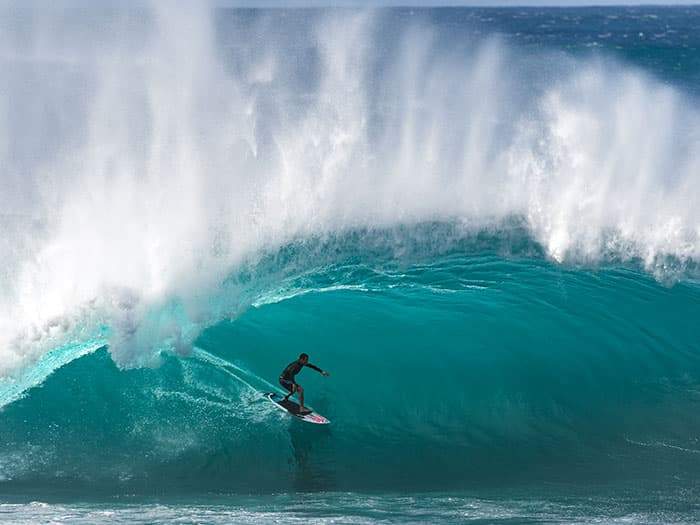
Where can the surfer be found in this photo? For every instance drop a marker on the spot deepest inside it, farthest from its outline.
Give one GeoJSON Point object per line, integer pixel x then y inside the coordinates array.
{"type": "Point", "coordinates": [288, 375]}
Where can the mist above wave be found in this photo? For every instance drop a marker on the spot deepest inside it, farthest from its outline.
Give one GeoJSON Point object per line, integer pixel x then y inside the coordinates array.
{"type": "Point", "coordinates": [146, 154]}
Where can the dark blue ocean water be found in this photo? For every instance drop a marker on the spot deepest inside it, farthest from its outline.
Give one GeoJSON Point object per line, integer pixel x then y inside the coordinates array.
{"type": "Point", "coordinates": [483, 222]}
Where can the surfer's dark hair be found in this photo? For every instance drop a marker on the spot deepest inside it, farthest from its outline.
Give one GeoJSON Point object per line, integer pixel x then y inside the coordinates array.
{"type": "Point", "coordinates": [302, 356]}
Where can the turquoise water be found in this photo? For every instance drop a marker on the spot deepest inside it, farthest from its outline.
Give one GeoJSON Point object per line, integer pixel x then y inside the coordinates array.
{"type": "Point", "coordinates": [483, 223]}
{"type": "Point", "coordinates": [459, 372]}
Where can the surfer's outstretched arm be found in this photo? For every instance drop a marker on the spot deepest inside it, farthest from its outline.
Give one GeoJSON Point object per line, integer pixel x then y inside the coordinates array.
{"type": "Point", "coordinates": [322, 372]}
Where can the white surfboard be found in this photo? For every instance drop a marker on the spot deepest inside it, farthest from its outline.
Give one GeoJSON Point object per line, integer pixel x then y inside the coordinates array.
{"type": "Point", "coordinates": [292, 408]}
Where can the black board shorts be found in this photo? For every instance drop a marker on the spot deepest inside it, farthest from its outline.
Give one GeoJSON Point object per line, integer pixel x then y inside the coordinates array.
{"type": "Point", "coordinates": [287, 384]}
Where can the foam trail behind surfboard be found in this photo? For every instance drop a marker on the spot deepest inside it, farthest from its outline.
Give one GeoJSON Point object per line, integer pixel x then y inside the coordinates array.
{"type": "Point", "coordinates": [225, 365]}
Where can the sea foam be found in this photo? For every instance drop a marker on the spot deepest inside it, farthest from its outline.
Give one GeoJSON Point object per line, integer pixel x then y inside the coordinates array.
{"type": "Point", "coordinates": [147, 154]}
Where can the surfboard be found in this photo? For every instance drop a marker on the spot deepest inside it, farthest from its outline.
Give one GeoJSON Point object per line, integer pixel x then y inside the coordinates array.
{"type": "Point", "coordinates": [292, 408]}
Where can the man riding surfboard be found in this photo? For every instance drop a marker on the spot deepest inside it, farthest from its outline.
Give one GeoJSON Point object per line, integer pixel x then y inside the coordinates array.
{"type": "Point", "coordinates": [287, 378]}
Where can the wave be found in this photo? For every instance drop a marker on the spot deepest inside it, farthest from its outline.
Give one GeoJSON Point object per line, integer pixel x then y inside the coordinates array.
{"type": "Point", "coordinates": [524, 373]}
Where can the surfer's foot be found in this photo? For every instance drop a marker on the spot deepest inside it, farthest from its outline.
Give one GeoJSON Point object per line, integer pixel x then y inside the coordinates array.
{"type": "Point", "coordinates": [304, 410]}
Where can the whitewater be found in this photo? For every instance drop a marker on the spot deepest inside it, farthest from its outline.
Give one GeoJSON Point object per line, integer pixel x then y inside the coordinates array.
{"type": "Point", "coordinates": [484, 222]}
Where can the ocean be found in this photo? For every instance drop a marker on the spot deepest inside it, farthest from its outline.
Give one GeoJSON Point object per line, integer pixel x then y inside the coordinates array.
{"type": "Point", "coordinates": [483, 222]}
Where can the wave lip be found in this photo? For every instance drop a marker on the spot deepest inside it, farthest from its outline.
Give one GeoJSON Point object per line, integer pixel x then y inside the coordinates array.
{"type": "Point", "coordinates": [15, 387]}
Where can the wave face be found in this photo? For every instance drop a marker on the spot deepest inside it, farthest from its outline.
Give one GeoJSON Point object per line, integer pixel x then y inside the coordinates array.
{"type": "Point", "coordinates": [491, 241]}
{"type": "Point", "coordinates": [451, 372]}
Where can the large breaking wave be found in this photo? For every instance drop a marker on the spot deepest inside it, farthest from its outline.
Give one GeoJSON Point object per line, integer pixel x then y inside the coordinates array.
{"type": "Point", "coordinates": [494, 251]}
{"type": "Point", "coordinates": [451, 372]}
